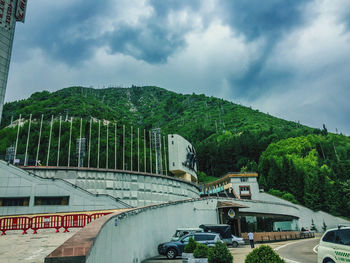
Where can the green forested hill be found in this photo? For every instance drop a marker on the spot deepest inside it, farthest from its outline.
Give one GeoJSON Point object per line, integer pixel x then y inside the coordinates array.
{"type": "Point", "coordinates": [289, 157]}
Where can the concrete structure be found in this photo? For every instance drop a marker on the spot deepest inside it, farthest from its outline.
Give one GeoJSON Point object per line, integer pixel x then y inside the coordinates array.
{"type": "Point", "coordinates": [133, 188]}
{"type": "Point", "coordinates": [10, 11]}
{"type": "Point", "coordinates": [140, 230]}
{"type": "Point", "coordinates": [182, 158]}
{"type": "Point", "coordinates": [22, 192]}
{"type": "Point", "coordinates": [245, 186]}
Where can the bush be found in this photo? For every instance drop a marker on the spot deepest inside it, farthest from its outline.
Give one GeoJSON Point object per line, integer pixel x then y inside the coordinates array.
{"type": "Point", "coordinates": [191, 246]}
{"type": "Point", "coordinates": [263, 254]}
{"type": "Point", "coordinates": [201, 251]}
{"type": "Point", "coordinates": [219, 254]}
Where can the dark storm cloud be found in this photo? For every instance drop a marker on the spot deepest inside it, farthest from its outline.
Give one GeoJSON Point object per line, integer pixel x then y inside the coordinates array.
{"type": "Point", "coordinates": [153, 42]}
{"type": "Point", "coordinates": [62, 31]}
{"type": "Point", "coordinates": [72, 36]}
{"type": "Point", "coordinates": [269, 20]}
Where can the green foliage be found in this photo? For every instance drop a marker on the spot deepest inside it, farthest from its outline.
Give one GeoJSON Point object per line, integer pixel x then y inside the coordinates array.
{"type": "Point", "coordinates": [315, 169]}
{"type": "Point", "coordinates": [191, 246]}
{"type": "Point", "coordinates": [312, 165]}
{"type": "Point", "coordinates": [263, 254]}
{"type": "Point", "coordinates": [313, 226]}
{"type": "Point", "coordinates": [203, 178]}
{"type": "Point", "coordinates": [201, 251]}
{"type": "Point", "coordinates": [324, 226]}
{"type": "Point", "coordinates": [220, 254]}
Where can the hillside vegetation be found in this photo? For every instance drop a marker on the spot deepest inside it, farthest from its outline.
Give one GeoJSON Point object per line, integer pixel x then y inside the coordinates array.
{"type": "Point", "coordinates": [309, 166]}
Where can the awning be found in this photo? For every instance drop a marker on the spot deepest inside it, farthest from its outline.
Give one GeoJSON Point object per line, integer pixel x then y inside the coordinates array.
{"type": "Point", "coordinates": [227, 204]}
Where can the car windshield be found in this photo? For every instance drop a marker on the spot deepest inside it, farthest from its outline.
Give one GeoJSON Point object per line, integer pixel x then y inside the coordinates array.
{"type": "Point", "coordinates": [186, 239]}
{"type": "Point", "coordinates": [177, 234]}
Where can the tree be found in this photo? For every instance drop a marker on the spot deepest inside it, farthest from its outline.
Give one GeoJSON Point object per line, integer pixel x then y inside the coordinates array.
{"type": "Point", "coordinates": [263, 254]}
{"type": "Point", "coordinates": [220, 254]}
{"type": "Point", "coordinates": [313, 226]}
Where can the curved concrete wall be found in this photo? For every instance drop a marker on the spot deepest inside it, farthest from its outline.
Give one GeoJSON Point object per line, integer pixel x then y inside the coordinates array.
{"type": "Point", "coordinates": [133, 237]}
{"type": "Point", "coordinates": [141, 231]}
{"type": "Point", "coordinates": [133, 188]}
{"type": "Point", "coordinates": [15, 182]}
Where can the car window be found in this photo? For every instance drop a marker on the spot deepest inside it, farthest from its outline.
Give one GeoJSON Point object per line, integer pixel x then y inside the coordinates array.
{"type": "Point", "coordinates": [329, 237]}
{"type": "Point", "coordinates": [186, 239]}
{"type": "Point", "coordinates": [199, 237]}
{"type": "Point", "coordinates": [343, 237]}
{"type": "Point", "coordinates": [204, 237]}
{"type": "Point", "coordinates": [210, 237]}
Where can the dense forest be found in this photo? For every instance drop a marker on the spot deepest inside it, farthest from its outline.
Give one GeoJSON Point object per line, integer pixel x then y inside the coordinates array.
{"type": "Point", "coordinates": [298, 163]}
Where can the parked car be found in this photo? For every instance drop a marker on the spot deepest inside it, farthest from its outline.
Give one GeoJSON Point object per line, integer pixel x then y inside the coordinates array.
{"type": "Point", "coordinates": [180, 232]}
{"type": "Point", "coordinates": [334, 246]}
{"type": "Point", "coordinates": [222, 229]}
{"type": "Point", "coordinates": [173, 249]}
{"type": "Point", "coordinates": [236, 241]}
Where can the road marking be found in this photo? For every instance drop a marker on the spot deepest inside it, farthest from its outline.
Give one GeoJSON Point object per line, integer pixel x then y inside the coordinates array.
{"type": "Point", "coordinates": [315, 249]}
{"type": "Point", "coordinates": [278, 248]}
{"type": "Point", "coordinates": [289, 260]}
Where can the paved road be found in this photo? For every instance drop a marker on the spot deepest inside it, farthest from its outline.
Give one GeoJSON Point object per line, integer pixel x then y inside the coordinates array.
{"type": "Point", "coordinates": [163, 259]}
{"type": "Point", "coordinates": [299, 251]}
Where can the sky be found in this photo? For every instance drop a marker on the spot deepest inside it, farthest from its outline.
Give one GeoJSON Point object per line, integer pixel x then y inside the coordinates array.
{"type": "Point", "coordinates": [288, 58]}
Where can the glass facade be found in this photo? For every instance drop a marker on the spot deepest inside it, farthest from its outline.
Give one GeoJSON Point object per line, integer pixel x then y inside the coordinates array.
{"type": "Point", "coordinates": [253, 222]}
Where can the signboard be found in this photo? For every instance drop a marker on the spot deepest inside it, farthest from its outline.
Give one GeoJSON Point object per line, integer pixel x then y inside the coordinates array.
{"type": "Point", "coordinates": [231, 213]}
{"type": "Point", "coordinates": [7, 11]}
{"type": "Point", "coordinates": [21, 10]}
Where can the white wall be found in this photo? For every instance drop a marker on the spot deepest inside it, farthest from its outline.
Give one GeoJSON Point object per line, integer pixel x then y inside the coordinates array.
{"type": "Point", "coordinates": [177, 148]}
{"type": "Point", "coordinates": [306, 215]}
{"type": "Point", "coordinates": [137, 236]}
{"type": "Point", "coordinates": [135, 189]}
{"type": "Point", "coordinates": [15, 182]}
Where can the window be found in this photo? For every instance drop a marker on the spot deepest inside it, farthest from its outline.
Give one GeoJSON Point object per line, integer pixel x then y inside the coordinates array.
{"type": "Point", "coordinates": [343, 237]}
{"type": "Point", "coordinates": [329, 237]}
{"type": "Point", "coordinates": [51, 200]}
{"type": "Point", "coordinates": [186, 239]}
{"type": "Point", "coordinates": [14, 201]}
{"type": "Point", "coordinates": [244, 179]}
{"type": "Point", "coordinates": [172, 142]}
{"type": "Point", "coordinates": [244, 192]}
{"type": "Point", "coordinates": [204, 237]}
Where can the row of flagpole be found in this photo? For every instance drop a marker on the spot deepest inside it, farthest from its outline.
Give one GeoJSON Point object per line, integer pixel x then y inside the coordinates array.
{"type": "Point", "coordinates": [162, 171]}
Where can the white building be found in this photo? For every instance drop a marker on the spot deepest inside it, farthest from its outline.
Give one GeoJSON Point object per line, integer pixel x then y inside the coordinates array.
{"type": "Point", "coordinates": [262, 215]}
{"type": "Point", "coordinates": [182, 158]}
{"type": "Point", "coordinates": [10, 12]}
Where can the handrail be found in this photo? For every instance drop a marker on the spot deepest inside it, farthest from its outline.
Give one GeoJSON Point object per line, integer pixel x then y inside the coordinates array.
{"type": "Point", "coordinates": [25, 223]}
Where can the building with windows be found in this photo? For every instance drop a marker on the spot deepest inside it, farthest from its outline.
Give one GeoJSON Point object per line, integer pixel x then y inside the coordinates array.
{"type": "Point", "coordinates": [11, 11]}
{"type": "Point", "coordinates": [264, 212]}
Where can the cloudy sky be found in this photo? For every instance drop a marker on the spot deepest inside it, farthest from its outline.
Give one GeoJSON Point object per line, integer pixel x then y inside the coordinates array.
{"type": "Point", "coordinates": [290, 58]}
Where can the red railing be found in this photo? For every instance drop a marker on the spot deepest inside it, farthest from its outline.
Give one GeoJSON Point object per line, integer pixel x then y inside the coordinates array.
{"type": "Point", "coordinates": [47, 222]}
{"type": "Point", "coordinates": [74, 221]}
{"type": "Point", "coordinates": [15, 223]}
{"type": "Point", "coordinates": [44, 222]}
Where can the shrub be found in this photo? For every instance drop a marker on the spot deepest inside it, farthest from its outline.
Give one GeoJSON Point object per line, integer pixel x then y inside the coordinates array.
{"type": "Point", "coordinates": [263, 254]}
{"type": "Point", "coordinates": [219, 254]}
{"type": "Point", "coordinates": [201, 251]}
{"type": "Point", "coordinates": [191, 246]}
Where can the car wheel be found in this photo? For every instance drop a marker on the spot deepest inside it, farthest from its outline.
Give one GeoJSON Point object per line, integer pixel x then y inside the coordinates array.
{"type": "Point", "coordinates": [234, 244]}
{"type": "Point", "coordinates": [329, 261]}
{"type": "Point", "coordinates": [171, 253]}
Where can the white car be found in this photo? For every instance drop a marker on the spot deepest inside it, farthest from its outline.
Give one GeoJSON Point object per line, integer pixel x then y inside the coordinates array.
{"type": "Point", "coordinates": [237, 241]}
{"type": "Point", "coordinates": [334, 246]}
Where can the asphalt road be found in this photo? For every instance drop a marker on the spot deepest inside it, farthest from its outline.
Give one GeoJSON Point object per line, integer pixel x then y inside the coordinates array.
{"type": "Point", "coordinates": [299, 251]}
{"type": "Point", "coordinates": [163, 259]}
